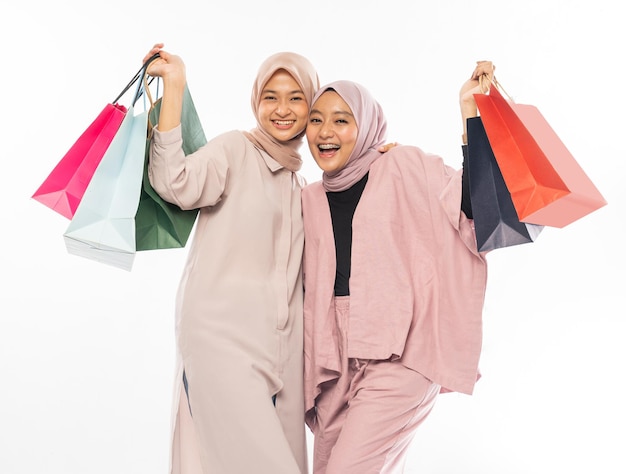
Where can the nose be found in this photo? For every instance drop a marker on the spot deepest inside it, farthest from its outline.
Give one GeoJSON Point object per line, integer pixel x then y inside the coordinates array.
{"type": "Point", "coordinates": [326, 130]}
{"type": "Point", "coordinates": [282, 108]}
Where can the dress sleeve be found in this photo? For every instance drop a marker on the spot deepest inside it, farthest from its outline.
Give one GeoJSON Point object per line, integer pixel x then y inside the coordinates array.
{"type": "Point", "coordinates": [195, 180]}
{"type": "Point", "coordinates": [466, 204]}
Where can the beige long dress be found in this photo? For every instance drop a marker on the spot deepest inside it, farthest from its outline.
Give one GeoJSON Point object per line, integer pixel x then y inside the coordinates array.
{"type": "Point", "coordinates": [239, 308]}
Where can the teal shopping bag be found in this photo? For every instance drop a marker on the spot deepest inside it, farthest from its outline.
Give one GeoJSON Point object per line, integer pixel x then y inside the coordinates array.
{"type": "Point", "coordinates": [103, 226]}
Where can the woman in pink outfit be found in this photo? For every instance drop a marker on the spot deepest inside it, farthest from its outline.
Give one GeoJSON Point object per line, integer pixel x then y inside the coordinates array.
{"type": "Point", "coordinates": [394, 285]}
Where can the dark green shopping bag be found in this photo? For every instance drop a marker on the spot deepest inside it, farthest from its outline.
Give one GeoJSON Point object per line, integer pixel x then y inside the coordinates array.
{"type": "Point", "coordinates": [160, 224]}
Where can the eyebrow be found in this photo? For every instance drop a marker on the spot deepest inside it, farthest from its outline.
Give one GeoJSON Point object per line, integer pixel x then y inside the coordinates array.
{"type": "Point", "coordinates": [339, 112]}
{"type": "Point", "coordinates": [271, 91]}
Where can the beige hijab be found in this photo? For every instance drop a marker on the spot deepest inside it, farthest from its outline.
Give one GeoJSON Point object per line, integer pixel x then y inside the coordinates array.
{"type": "Point", "coordinates": [285, 153]}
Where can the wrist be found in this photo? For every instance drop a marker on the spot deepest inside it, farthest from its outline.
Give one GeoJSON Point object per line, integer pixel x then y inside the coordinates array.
{"type": "Point", "coordinates": [175, 81]}
{"type": "Point", "coordinates": [468, 110]}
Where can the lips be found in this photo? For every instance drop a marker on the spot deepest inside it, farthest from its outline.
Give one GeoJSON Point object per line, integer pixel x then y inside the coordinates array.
{"type": "Point", "coordinates": [283, 124]}
{"type": "Point", "coordinates": [327, 149]}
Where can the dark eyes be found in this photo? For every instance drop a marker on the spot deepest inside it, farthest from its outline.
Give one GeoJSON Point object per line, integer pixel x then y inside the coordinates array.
{"type": "Point", "coordinates": [339, 121]}
{"type": "Point", "coordinates": [273, 97]}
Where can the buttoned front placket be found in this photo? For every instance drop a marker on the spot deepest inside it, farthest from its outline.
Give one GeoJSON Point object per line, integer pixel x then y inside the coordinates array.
{"type": "Point", "coordinates": [283, 251]}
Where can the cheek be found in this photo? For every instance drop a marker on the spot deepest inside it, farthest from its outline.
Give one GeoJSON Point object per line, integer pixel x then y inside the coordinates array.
{"type": "Point", "coordinates": [313, 150]}
{"type": "Point", "coordinates": [302, 111]}
{"type": "Point", "coordinates": [311, 134]}
{"type": "Point", "coordinates": [344, 158]}
{"type": "Point", "coordinates": [262, 110]}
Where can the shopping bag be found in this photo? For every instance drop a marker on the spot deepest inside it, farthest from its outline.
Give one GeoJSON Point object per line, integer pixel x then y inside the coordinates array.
{"type": "Point", "coordinates": [495, 220]}
{"type": "Point", "coordinates": [160, 224]}
{"type": "Point", "coordinates": [547, 185]}
{"type": "Point", "coordinates": [103, 226]}
{"type": "Point", "coordinates": [64, 187]}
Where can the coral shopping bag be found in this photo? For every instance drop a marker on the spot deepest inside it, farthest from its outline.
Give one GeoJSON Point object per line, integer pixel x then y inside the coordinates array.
{"type": "Point", "coordinates": [495, 219]}
{"type": "Point", "coordinates": [160, 224]}
{"type": "Point", "coordinates": [103, 226]}
{"type": "Point", "coordinates": [64, 187]}
{"type": "Point", "coordinates": [547, 185]}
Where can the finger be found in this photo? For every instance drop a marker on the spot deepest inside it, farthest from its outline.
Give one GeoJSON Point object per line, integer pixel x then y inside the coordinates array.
{"type": "Point", "coordinates": [151, 53]}
{"type": "Point", "coordinates": [155, 49]}
{"type": "Point", "coordinates": [388, 146]}
{"type": "Point", "coordinates": [483, 73]}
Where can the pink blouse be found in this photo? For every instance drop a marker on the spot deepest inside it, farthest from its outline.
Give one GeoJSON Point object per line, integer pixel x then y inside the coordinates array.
{"type": "Point", "coordinates": [417, 282]}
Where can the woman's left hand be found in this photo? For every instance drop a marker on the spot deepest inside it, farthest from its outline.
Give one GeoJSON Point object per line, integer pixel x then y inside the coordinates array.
{"type": "Point", "coordinates": [483, 68]}
{"type": "Point", "coordinates": [478, 83]}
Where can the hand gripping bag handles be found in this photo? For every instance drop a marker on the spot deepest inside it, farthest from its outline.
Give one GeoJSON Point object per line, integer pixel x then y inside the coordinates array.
{"type": "Point", "coordinates": [547, 185]}
{"type": "Point", "coordinates": [103, 226]}
{"type": "Point", "coordinates": [160, 224]}
{"type": "Point", "coordinates": [495, 220]}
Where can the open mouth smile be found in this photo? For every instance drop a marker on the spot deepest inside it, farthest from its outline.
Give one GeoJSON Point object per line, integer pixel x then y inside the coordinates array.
{"type": "Point", "coordinates": [327, 149]}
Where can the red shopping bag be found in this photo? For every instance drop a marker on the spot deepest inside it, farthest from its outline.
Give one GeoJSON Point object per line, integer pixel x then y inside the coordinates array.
{"type": "Point", "coordinates": [64, 187]}
{"type": "Point", "coordinates": [547, 185]}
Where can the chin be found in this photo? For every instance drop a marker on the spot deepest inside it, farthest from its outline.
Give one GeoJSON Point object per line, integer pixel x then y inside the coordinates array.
{"type": "Point", "coordinates": [284, 137]}
{"type": "Point", "coordinates": [324, 166]}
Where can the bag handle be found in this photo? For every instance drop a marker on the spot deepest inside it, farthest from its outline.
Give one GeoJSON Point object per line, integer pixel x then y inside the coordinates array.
{"type": "Point", "coordinates": [144, 83]}
{"type": "Point", "coordinates": [485, 84]}
{"type": "Point", "coordinates": [140, 74]}
{"type": "Point", "coordinates": [146, 86]}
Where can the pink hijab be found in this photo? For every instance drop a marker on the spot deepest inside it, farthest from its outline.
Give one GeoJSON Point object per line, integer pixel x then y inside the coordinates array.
{"type": "Point", "coordinates": [372, 133]}
{"type": "Point", "coordinates": [285, 153]}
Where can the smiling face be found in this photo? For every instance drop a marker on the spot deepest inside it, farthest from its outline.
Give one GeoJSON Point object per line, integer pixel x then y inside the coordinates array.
{"type": "Point", "coordinates": [283, 110]}
{"type": "Point", "coordinates": [331, 132]}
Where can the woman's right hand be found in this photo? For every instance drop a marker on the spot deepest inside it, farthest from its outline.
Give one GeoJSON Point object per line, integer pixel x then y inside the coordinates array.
{"type": "Point", "coordinates": [168, 67]}
{"type": "Point", "coordinates": [171, 69]}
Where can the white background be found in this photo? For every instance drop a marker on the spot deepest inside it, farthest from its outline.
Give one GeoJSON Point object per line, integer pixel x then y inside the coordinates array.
{"type": "Point", "coordinates": [86, 350]}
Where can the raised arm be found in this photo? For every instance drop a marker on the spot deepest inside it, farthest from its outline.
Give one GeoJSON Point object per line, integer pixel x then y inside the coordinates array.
{"type": "Point", "coordinates": [171, 69]}
{"type": "Point", "coordinates": [478, 83]}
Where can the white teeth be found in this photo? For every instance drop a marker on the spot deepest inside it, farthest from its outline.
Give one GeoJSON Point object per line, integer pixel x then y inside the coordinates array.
{"type": "Point", "coordinates": [328, 146]}
{"type": "Point", "coordinates": [284, 122]}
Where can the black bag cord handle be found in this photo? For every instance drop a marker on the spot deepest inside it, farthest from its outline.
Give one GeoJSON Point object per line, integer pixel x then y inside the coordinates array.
{"type": "Point", "coordinates": [140, 74]}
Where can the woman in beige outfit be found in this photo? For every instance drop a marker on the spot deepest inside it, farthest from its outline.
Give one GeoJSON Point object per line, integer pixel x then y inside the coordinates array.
{"type": "Point", "coordinates": [239, 306]}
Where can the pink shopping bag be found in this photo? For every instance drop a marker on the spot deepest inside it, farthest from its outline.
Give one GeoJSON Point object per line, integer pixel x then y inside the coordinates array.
{"type": "Point", "coordinates": [64, 187]}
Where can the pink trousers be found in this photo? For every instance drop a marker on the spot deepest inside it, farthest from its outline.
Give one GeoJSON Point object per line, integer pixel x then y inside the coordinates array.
{"type": "Point", "coordinates": [367, 418]}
